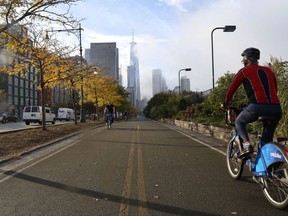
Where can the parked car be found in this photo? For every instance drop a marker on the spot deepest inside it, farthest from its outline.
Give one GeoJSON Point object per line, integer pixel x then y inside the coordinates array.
{"type": "Point", "coordinates": [3, 117]}
{"type": "Point", "coordinates": [93, 116]}
{"type": "Point", "coordinates": [66, 114]}
{"type": "Point", "coordinates": [12, 117]}
{"type": "Point", "coordinates": [34, 114]}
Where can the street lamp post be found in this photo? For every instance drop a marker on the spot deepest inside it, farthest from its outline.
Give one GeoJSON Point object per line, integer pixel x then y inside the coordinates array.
{"type": "Point", "coordinates": [82, 117]}
{"type": "Point", "coordinates": [184, 69]}
{"type": "Point", "coordinates": [227, 28]}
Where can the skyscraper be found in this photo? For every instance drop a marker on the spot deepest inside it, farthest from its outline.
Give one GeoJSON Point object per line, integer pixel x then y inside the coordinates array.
{"type": "Point", "coordinates": [164, 87]}
{"type": "Point", "coordinates": [185, 84]}
{"type": "Point", "coordinates": [133, 79]}
{"type": "Point", "coordinates": [156, 81]}
{"type": "Point", "coordinates": [105, 56]}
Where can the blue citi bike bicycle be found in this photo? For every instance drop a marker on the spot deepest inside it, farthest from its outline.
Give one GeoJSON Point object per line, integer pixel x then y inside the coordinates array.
{"type": "Point", "coordinates": [268, 164]}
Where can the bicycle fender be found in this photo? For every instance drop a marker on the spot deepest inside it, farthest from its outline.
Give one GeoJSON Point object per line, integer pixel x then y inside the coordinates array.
{"type": "Point", "coordinates": [273, 153]}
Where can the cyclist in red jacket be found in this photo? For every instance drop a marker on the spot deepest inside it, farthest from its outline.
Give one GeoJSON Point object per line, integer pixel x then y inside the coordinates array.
{"type": "Point", "coordinates": [261, 88]}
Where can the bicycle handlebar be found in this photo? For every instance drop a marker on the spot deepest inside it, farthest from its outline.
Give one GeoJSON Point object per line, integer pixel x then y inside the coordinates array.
{"type": "Point", "coordinates": [231, 115]}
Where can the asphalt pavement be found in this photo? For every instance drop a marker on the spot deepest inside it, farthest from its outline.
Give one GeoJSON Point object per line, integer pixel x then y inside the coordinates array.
{"type": "Point", "coordinates": [139, 167]}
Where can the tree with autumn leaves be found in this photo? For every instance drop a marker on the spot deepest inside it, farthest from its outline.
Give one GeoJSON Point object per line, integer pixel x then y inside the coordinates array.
{"type": "Point", "coordinates": [99, 89]}
{"type": "Point", "coordinates": [55, 66]}
{"type": "Point", "coordinates": [31, 50]}
{"type": "Point", "coordinates": [28, 48]}
{"type": "Point", "coordinates": [19, 20]}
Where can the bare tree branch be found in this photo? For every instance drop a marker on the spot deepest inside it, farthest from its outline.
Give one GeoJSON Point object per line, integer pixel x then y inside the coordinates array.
{"type": "Point", "coordinates": [23, 11]}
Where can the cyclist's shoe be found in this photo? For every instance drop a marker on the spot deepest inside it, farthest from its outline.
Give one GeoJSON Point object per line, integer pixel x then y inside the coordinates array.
{"type": "Point", "coordinates": [246, 151]}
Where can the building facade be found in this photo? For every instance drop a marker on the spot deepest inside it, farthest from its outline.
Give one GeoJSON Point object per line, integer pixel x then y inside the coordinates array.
{"type": "Point", "coordinates": [21, 89]}
{"type": "Point", "coordinates": [158, 82]}
{"type": "Point", "coordinates": [18, 90]}
{"type": "Point", "coordinates": [185, 84]}
{"type": "Point", "coordinates": [104, 56]}
{"type": "Point", "coordinates": [164, 87]}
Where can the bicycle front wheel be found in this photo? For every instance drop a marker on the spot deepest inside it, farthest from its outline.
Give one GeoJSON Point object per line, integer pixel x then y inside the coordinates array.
{"type": "Point", "coordinates": [235, 165]}
{"type": "Point", "coordinates": [276, 187]}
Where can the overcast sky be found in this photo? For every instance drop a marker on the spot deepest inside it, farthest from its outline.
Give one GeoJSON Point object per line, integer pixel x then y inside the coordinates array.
{"type": "Point", "coordinates": [175, 34]}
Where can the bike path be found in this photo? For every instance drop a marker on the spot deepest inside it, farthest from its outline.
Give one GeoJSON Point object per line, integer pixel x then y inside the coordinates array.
{"type": "Point", "coordinates": [137, 168]}
{"type": "Point", "coordinates": [210, 141]}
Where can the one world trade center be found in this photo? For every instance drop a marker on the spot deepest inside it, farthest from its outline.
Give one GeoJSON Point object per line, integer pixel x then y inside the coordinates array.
{"type": "Point", "coordinates": [133, 82]}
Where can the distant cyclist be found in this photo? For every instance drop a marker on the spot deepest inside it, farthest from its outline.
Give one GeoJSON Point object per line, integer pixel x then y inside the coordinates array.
{"type": "Point", "coordinates": [261, 88]}
{"type": "Point", "coordinates": [125, 114]}
{"type": "Point", "coordinates": [109, 110]}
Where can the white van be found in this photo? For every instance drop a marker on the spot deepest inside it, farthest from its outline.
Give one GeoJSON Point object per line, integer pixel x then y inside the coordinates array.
{"type": "Point", "coordinates": [66, 114]}
{"type": "Point", "coordinates": [34, 114]}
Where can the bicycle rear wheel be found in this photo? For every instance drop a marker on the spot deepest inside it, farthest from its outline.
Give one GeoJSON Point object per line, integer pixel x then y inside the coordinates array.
{"type": "Point", "coordinates": [235, 165]}
{"type": "Point", "coordinates": [276, 187]}
{"type": "Point", "coordinates": [109, 122]}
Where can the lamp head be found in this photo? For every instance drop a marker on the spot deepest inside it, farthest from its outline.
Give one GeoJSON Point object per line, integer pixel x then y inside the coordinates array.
{"type": "Point", "coordinates": [229, 28]}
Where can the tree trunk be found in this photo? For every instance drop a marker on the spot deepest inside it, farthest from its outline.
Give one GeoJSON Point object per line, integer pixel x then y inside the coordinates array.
{"type": "Point", "coordinates": [43, 101]}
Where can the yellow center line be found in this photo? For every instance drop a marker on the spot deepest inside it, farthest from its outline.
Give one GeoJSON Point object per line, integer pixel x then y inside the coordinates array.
{"type": "Point", "coordinates": [124, 207]}
{"type": "Point", "coordinates": [141, 184]}
{"type": "Point", "coordinates": [126, 194]}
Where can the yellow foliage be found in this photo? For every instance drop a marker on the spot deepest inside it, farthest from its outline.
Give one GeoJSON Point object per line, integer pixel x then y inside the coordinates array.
{"type": "Point", "coordinates": [53, 70]}
{"type": "Point", "coordinates": [102, 88]}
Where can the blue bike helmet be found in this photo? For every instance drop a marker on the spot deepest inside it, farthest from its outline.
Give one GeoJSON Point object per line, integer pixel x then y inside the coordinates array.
{"type": "Point", "coordinates": [251, 53]}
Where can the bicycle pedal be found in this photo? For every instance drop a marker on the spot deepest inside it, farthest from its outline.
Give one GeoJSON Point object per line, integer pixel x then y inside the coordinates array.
{"type": "Point", "coordinates": [243, 157]}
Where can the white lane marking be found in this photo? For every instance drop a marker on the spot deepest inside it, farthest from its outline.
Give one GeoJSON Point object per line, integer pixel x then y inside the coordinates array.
{"type": "Point", "coordinates": [36, 162]}
{"type": "Point", "coordinates": [42, 150]}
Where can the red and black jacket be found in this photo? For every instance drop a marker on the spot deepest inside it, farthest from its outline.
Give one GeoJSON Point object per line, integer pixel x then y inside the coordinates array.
{"type": "Point", "coordinates": [259, 83]}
